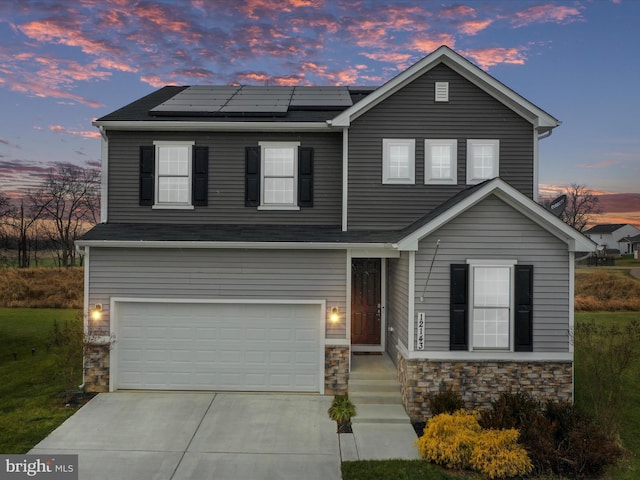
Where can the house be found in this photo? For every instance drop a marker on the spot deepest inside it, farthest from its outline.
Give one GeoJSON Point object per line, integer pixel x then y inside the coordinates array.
{"type": "Point", "coordinates": [634, 243]}
{"type": "Point", "coordinates": [611, 236]}
{"type": "Point", "coordinates": [255, 238]}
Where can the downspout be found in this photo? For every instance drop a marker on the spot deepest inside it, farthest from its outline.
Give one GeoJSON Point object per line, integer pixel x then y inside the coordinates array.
{"type": "Point", "coordinates": [345, 177]}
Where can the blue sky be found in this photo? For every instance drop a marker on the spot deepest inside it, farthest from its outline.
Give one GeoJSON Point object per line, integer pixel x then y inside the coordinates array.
{"type": "Point", "coordinates": [64, 63]}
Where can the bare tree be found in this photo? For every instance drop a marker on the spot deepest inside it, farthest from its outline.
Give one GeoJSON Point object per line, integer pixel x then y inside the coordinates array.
{"type": "Point", "coordinates": [21, 220]}
{"type": "Point", "coordinates": [581, 206]}
{"type": "Point", "coordinates": [68, 198]}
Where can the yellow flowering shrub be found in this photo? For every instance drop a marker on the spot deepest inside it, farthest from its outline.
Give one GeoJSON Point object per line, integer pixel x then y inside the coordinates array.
{"type": "Point", "coordinates": [457, 441]}
{"type": "Point", "coordinates": [497, 454]}
{"type": "Point", "coordinates": [449, 439]}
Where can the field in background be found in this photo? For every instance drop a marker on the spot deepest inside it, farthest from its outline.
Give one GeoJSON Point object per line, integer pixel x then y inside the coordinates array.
{"type": "Point", "coordinates": [42, 287]}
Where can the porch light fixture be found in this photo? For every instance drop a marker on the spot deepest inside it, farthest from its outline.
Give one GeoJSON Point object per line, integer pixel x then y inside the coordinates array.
{"type": "Point", "coordinates": [335, 315]}
{"type": "Point", "coordinates": [96, 312]}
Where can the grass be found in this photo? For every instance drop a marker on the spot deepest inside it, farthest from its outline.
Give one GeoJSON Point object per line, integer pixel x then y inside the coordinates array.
{"type": "Point", "coordinates": [30, 394]}
{"type": "Point", "coordinates": [606, 289]}
{"type": "Point", "coordinates": [42, 287]}
{"type": "Point", "coordinates": [397, 470]}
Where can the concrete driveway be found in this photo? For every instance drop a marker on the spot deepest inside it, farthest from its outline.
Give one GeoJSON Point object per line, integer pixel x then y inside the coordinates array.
{"type": "Point", "coordinates": [178, 436]}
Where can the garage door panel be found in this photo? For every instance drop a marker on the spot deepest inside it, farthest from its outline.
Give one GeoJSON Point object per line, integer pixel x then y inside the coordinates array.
{"type": "Point", "coordinates": [201, 346]}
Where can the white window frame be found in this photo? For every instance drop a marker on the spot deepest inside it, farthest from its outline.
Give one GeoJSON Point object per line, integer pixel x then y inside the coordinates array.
{"type": "Point", "coordinates": [472, 146]}
{"type": "Point", "coordinates": [387, 177]}
{"type": "Point", "coordinates": [473, 264]}
{"type": "Point", "coordinates": [429, 179]}
{"type": "Point", "coordinates": [264, 146]}
{"type": "Point", "coordinates": [157, 204]}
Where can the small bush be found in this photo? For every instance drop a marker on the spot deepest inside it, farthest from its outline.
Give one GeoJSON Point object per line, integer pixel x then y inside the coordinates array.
{"type": "Point", "coordinates": [447, 401]}
{"type": "Point", "coordinates": [497, 454]}
{"type": "Point", "coordinates": [341, 411]}
{"type": "Point", "coordinates": [449, 439]}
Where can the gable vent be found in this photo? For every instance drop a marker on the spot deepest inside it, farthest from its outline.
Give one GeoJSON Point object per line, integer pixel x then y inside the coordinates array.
{"type": "Point", "coordinates": [442, 91]}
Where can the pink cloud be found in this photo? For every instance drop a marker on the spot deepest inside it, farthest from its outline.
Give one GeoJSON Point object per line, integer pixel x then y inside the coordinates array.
{"type": "Point", "coordinates": [430, 42]}
{"type": "Point", "coordinates": [75, 133]}
{"type": "Point", "coordinates": [604, 163]}
{"type": "Point", "coordinates": [391, 57]}
{"type": "Point", "coordinates": [547, 13]}
{"type": "Point", "coordinates": [488, 57]}
{"type": "Point", "coordinates": [472, 27]}
{"type": "Point", "coordinates": [457, 11]}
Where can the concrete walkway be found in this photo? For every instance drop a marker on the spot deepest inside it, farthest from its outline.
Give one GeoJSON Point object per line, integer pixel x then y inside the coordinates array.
{"type": "Point", "coordinates": [180, 436]}
{"type": "Point", "coordinates": [635, 272]}
{"type": "Point", "coordinates": [381, 428]}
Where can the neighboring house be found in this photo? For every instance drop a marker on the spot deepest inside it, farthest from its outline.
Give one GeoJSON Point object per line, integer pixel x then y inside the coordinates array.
{"type": "Point", "coordinates": [612, 236]}
{"type": "Point", "coordinates": [634, 243]}
{"type": "Point", "coordinates": [254, 238]}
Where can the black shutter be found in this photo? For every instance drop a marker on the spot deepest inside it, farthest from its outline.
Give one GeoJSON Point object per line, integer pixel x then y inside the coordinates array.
{"type": "Point", "coordinates": [459, 308]}
{"type": "Point", "coordinates": [252, 177]}
{"type": "Point", "coordinates": [523, 293]}
{"type": "Point", "coordinates": [305, 177]}
{"type": "Point", "coordinates": [200, 176]}
{"type": "Point", "coordinates": [147, 181]}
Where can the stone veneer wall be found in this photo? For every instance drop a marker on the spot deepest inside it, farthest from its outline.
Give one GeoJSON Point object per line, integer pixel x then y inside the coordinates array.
{"type": "Point", "coordinates": [96, 367]}
{"type": "Point", "coordinates": [480, 382]}
{"type": "Point", "coordinates": [336, 369]}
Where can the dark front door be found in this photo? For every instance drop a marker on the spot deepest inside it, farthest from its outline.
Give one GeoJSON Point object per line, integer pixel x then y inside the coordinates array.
{"type": "Point", "coordinates": [365, 301]}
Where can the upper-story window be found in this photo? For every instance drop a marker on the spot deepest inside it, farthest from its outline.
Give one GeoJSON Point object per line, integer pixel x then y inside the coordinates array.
{"type": "Point", "coordinates": [174, 174]}
{"type": "Point", "coordinates": [173, 167]}
{"type": "Point", "coordinates": [279, 182]}
{"type": "Point", "coordinates": [483, 160]}
{"type": "Point", "coordinates": [398, 160]}
{"type": "Point", "coordinates": [440, 162]}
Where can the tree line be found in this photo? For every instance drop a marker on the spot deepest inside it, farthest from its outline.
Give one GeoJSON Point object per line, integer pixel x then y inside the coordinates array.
{"type": "Point", "coordinates": [52, 216]}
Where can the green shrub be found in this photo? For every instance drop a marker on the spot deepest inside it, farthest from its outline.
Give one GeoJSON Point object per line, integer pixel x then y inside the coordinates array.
{"type": "Point", "coordinates": [447, 401]}
{"type": "Point", "coordinates": [341, 411]}
{"type": "Point", "coordinates": [497, 454]}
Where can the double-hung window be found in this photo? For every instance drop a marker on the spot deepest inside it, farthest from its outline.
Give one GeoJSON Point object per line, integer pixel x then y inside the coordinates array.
{"type": "Point", "coordinates": [279, 182]}
{"type": "Point", "coordinates": [173, 173]}
{"type": "Point", "coordinates": [491, 305]}
{"type": "Point", "coordinates": [440, 157]}
{"type": "Point", "coordinates": [483, 159]}
{"type": "Point", "coordinates": [398, 160]}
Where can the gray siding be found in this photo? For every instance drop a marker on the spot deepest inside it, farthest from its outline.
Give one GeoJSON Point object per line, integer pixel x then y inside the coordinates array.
{"type": "Point", "coordinates": [412, 113]}
{"type": "Point", "coordinates": [494, 230]}
{"type": "Point", "coordinates": [226, 180]}
{"type": "Point", "coordinates": [398, 303]}
{"type": "Point", "coordinates": [219, 274]}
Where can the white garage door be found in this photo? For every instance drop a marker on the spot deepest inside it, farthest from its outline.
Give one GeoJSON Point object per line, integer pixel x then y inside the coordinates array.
{"type": "Point", "coordinates": [220, 346]}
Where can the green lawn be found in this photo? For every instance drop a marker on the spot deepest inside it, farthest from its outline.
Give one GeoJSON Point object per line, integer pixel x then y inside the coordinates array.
{"type": "Point", "coordinates": [30, 394]}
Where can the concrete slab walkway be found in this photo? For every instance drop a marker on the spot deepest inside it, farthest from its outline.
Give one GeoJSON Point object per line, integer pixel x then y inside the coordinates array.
{"type": "Point", "coordinates": [381, 428]}
{"type": "Point", "coordinates": [179, 436]}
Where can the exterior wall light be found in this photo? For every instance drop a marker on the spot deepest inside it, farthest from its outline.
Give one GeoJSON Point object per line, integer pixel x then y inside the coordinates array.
{"type": "Point", "coordinates": [334, 316]}
{"type": "Point", "coordinates": [96, 312]}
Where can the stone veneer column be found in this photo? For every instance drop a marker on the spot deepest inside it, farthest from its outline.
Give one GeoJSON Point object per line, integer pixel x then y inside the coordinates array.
{"type": "Point", "coordinates": [336, 369]}
{"type": "Point", "coordinates": [96, 367]}
{"type": "Point", "coordinates": [480, 382]}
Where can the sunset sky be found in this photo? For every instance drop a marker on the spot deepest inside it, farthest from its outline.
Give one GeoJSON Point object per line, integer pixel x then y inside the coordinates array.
{"type": "Point", "coordinates": [65, 63]}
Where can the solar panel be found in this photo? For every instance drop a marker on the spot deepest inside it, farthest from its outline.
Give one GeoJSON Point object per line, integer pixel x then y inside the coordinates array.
{"type": "Point", "coordinates": [218, 100]}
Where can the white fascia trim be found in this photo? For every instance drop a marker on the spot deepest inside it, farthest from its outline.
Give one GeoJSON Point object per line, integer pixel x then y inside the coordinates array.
{"type": "Point", "coordinates": [411, 310]}
{"type": "Point", "coordinates": [345, 177]}
{"type": "Point", "coordinates": [538, 117]}
{"type": "Point", "coordinates": [575, 240]}
{"type": "Point", "coordinates": [104, 176]}
{"type": "Point", "coordinates": [536, 174]}
{"type": "Point", "coordinates": [492, 356]}
{"type": "Point", "coordinates": [251, 245]}
{"type": "Point", "coordinates": [181, 126]}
